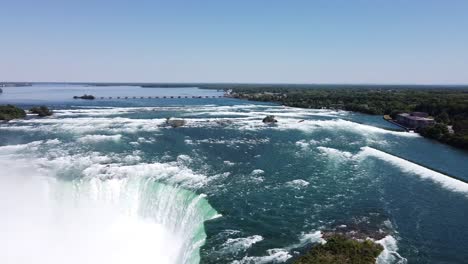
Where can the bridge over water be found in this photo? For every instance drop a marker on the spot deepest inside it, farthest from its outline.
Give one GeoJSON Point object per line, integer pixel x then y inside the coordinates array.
{"type": "Point", "coordinates": [158, 97]}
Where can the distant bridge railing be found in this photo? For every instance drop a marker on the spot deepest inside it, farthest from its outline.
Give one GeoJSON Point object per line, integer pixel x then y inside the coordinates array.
{"type": "Point", "coordinates": [158, 97]}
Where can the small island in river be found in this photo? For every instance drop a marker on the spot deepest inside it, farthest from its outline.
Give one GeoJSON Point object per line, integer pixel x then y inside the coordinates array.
{"type": "Point", "coordinates": [85, 97]}
{"type": "Point", "coordinates": [339, 249]}
{"type": "Point", "coordinates": [10, 112]}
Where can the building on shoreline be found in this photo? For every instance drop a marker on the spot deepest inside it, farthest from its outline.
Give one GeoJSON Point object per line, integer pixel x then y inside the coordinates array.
{"type": "Point", "coordinates": [415, 120]}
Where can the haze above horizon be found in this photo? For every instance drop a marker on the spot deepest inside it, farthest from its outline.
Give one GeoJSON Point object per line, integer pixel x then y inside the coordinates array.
{"type": "Point", "coordinates": [348, 42]}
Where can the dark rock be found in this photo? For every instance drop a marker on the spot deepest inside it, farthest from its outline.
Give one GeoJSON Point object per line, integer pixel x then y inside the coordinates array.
{"type": "Point", "coordinates": [175, 122]}
{"type": "Point", "coordinates": [223, 122]}
{"type": "Point", "coordinates": [269, 119]}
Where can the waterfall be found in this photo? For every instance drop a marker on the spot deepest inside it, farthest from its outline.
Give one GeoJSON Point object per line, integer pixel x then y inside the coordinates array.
{"type": "Point", "coordinates": [92, 220]}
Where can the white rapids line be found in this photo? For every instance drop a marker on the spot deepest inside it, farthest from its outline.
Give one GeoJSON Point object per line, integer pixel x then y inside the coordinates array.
{"type": "Point", "coordinates": [410, 167]}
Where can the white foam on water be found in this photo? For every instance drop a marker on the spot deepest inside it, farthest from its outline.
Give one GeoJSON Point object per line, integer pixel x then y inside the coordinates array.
{"type": "Point", "coordinates": [276, 255]}
{"type": "Point", "coordinates": [307, 144]}
{"type": "Point", "coordinates": [279, 113]}
{"type": "Point", "coordinates": [8, 149]}
{"type": "Point", "coordinates": [335, 153]}
{"type": "Point", "coordinates": [131, 159]}
{"type": "Point", "coordinates": [83, 125]}
{"type": "Point", "coordinates": [409, 167]}
{"type": "Point", "coordinates": [230, 142]}
{"type": "Point", "coordinates": [257, 172]}
{"type": "Point", "coordinates": [308, 238]}
{"type": "Point", "coordinates": [190, 110]}
{"type": "Point", "coordinates": [184, 159]}
{"type": "Point", "coordinates": [30, 147]}
{"type": "Point", "coordinates": [240, 244]}
{"type": "Point", "coordinates": [99, 138]}
{"type": "Point", "coordinates": [340, 124]}
{"type": "Point", "coordinates": [91, 112]}
{"type": "Point", "coordinates": [96, 165]}
{"type": "Point", "coordinates": [312, 125]}
{"type": "Point", "coordinates": [303, 144]}
{"type": "Point", "coordinates": [256, 176]}
{"type": "Point", "coordinates": [247, 117]}
{"type": "Point", "coordinates": [229, 163]}
{"type": "Point", "coordinates": [53, 141]}
{"type": "Point", "coordinates": [165, 172]}
{"type": "Point", "coordinates": [390, 255]}
{"type": "Point", "coordinates": [281, 255]}
{"type": "Point", "coordinates": [297, 184]}
{"type": "Point", "coordinates": [216, 216]}
{"type": "Point", "coordinates": [146, 140]}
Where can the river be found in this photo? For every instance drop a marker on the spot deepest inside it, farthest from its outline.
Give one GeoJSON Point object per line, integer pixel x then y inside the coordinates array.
{"type": "Point", "coordinates": [107, 181]}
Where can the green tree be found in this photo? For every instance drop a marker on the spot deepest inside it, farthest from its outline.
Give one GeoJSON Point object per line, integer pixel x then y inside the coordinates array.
{"type": "Point", "coordinates": [9, 112]}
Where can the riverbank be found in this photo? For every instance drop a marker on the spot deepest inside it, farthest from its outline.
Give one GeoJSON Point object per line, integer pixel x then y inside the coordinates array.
{"type": "Point", "coordinates": [448, 105]}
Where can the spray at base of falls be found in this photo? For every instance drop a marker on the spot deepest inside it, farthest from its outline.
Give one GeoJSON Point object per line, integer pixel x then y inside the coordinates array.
{"type": "Point", "coordinates": [88, 220]}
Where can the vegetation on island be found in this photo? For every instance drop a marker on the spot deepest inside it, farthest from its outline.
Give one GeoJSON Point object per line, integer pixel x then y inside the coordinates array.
{"type": "Point", "coordinates": [448, 105]}
{"type": "Point", "coordinates": [9, 112]}
{"type": "Point", "coordinates": [41, 111]}
{"type": "Point", "coordinates": [339, 249]}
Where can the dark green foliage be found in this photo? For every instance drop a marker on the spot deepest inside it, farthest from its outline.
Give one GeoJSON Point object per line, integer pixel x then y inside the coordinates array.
{"type": "Point", "coordinates": [458, 140]}
{"type": "Point", "coordinates": [367, 100]}
{"type": "Point", "coordinates": [448, 105]}
{"type": "Point", "coordinates": [41, 111]}
{"type": "Point", "coordinates": [442, 118]}
{"type": "Point", "coordinates": [340, 250]}
{"type": "Point", "coordinates": [437, 131]}
{"type": "Point", "coordinates": [9, 112]}
{"type": "Point", "coordinates": [440, 132]}
{"type": "Point", "coordinates": [461, 126]}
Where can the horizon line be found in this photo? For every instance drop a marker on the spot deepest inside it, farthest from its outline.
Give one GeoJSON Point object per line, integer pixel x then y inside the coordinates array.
{"type": "Point", "coordinates": [231, 83]}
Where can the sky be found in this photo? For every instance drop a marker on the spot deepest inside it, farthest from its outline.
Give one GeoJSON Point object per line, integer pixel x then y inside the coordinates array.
{"type": "Point", "coordinates": [240, 41]}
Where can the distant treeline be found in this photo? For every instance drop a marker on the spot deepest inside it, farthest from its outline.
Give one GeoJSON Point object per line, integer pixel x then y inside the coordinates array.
{"type": "Point", "coordinates": [448, 105]}
{"type": "Point", "coordinates": [15, 84]}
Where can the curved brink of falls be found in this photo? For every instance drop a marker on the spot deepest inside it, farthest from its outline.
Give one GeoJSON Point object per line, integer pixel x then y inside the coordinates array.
{"type": "Point", "coordinates": [88, 220]}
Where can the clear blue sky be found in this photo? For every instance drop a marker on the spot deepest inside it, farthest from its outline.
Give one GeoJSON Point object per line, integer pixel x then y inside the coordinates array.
{"type": "Point", "coordinates": [288, 41]}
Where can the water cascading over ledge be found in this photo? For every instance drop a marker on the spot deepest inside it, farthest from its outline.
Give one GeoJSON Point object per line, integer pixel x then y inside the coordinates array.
{"type": "Point", "coordinates": [90, 220]}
